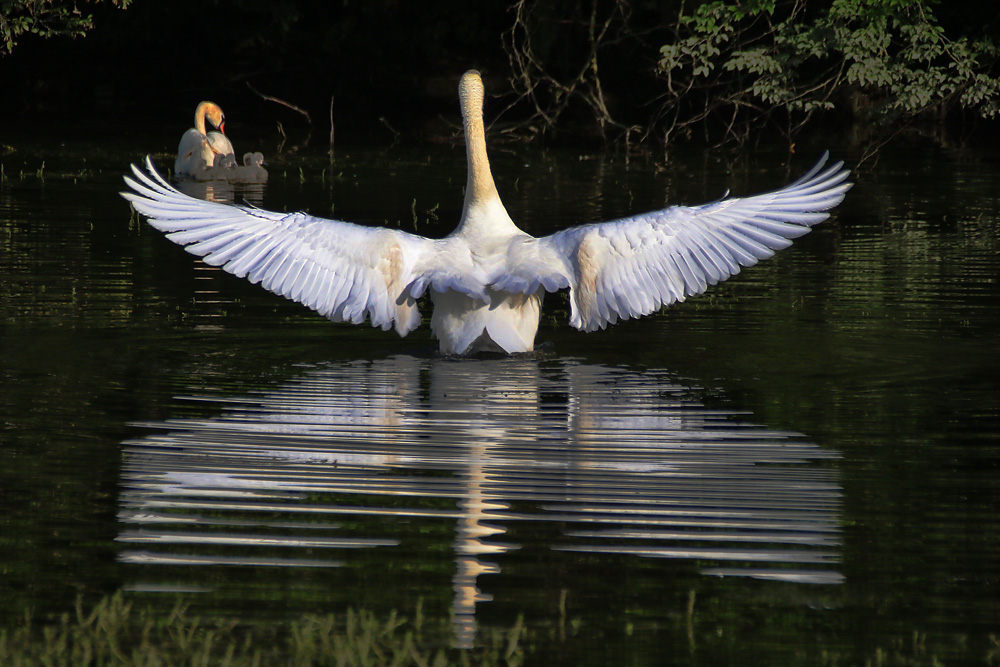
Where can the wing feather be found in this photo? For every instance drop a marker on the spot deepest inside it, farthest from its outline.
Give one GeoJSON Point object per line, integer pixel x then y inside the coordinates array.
{"type": "Point", "coordinates": [341, 270]}
{"type": "Point", "coordinates": [633, 266]}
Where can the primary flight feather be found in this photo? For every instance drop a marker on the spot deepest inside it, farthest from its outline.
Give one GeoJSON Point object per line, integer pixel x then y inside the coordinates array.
{"type": "Point", "coordinates": [487, 278]}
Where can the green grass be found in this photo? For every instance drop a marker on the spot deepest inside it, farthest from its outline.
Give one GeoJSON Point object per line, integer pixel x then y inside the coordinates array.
{"type": "Point", "coordinates": [117, 632]}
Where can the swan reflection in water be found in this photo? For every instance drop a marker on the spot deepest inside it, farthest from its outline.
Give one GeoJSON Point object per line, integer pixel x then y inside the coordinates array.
{"type": "Point", "coordinates": [612, 461]}
{"type": "Point", "coordinates": [224, 192]}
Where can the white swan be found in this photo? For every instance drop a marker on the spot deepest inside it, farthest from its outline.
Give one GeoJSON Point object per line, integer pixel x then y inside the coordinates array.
{"type": "Point", "coordinates": [198, 149]}
{"type": "Point", "coordinates": [487, 278]}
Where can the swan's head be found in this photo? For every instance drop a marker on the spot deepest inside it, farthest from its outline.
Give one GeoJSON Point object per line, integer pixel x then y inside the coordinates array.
{"type": "Point", "coordinates": [212, 112]}
{"type": "Point", "coordinates": [471, 93]}
{"type": "Point", "coordinates": [253, 159]}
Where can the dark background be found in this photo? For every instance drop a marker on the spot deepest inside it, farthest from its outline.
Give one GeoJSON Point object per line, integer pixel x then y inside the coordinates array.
{"type": "Point", "coordinates": [391, 66]}
{"type": "Point", "coordinates": [386, 64]}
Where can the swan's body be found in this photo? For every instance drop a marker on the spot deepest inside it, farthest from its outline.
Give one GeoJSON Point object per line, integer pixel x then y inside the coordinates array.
{"type": "Point", "coordinates": [487, 278]}
{"type": "Point", "coordinates": [198, 150]}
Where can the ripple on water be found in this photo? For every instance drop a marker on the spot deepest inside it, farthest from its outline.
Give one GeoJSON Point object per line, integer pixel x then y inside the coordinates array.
{"type": "Point", "coordinates": [605, 460]}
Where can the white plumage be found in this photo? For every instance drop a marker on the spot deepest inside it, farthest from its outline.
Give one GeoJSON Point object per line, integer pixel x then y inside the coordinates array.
{"type": "Point", "coordinates": [487, 278]}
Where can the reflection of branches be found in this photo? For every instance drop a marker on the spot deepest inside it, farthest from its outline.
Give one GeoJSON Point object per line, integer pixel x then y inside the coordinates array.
{"type": "Point", "coordinates": [550, 94]}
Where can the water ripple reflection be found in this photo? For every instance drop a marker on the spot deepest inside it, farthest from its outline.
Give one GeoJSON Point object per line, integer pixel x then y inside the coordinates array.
{"type": "Point", "coordinates": [606, 460]}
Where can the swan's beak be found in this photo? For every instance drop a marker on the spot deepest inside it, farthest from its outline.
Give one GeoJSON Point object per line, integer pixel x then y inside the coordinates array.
{"type": "Point", "coordinates": [222, 127]}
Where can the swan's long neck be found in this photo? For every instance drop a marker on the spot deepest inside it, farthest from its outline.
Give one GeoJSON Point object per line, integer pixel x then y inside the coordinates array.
{"type": "Point", "coordinates": [199, 117]}
{"type": "Point", "coordinates": [483, 209]}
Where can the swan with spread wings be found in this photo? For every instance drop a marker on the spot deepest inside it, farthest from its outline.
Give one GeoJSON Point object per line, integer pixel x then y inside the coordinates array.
{"type": "Point", "coordinates": [487, 278]}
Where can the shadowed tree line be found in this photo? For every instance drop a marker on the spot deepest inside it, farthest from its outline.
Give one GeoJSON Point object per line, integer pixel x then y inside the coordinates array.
{"type": "Point", "coordinates": [721, 71]}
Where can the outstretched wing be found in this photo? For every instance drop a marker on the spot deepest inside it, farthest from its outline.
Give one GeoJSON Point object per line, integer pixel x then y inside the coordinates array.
{"type": "Point", "coordinates": [633, 266]}
{"type": "Point", "coordinates": [343, 271]}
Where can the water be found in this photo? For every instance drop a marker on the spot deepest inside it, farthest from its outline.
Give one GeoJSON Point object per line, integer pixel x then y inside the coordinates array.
{"type": "Point", "coordinates": [800, 463]}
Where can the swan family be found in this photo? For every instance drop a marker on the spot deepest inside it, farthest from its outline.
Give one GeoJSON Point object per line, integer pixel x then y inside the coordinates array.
{"type": "Point", "coordinates": [487, 279]}
{"type": "Point", "coordinates": [210, 156]}
{"type": "Point", "coordinates": [198, 149]}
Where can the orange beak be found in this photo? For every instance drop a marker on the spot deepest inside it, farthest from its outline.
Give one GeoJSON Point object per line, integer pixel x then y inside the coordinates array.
{"type": "Point", "coordinates": [222, 127]}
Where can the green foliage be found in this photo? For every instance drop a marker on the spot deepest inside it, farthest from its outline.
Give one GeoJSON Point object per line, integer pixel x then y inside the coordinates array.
{"type": "Point", "coordinates": [883, 62]}
{"type": "Point", "coordinates": [45, 18]}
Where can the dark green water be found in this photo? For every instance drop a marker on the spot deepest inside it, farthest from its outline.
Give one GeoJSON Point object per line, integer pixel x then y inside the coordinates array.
{"type": "Point", "coordinates": [802, 463]}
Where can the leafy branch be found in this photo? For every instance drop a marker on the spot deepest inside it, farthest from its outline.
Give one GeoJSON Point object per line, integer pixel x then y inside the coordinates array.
{"type": "Point", "coordinates": [45, 18]}
{"type": "Point", "coordinates": [883, 63]}
{"type": "Point", "coordinates": [729, 70]}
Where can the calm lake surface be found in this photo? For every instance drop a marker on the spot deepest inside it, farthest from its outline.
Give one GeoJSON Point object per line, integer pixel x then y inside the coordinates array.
{"type": "Point", "coordinates": [799, 466]}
